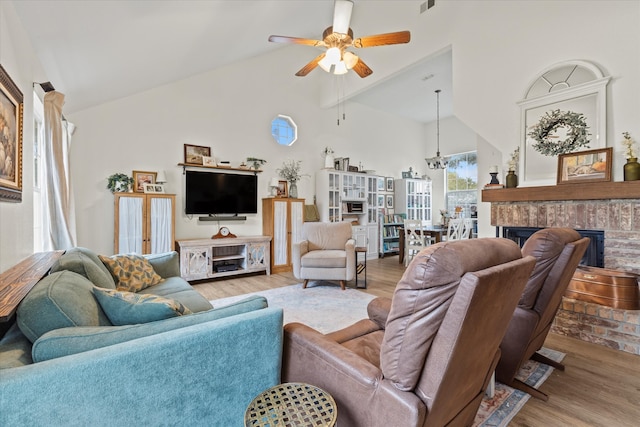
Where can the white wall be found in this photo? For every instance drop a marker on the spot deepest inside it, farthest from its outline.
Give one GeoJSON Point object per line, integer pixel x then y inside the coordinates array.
{"type": "Point", "coordinates": [17, 58]}
{"type": "Point", "coordinates": [229, 110]}
{"type": "Point", "coordinates": [498, 48]}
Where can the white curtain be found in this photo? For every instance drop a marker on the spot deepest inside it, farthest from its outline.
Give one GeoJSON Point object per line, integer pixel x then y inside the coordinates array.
{"type": "Point", "coordinates": [161, 212]}
{"type": "Point", "coordinates": [58, 195]}
{"type": "Point", "coordinates": [130, 223]}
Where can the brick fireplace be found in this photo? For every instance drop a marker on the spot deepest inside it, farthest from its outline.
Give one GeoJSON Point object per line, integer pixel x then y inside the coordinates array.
{"type": "Point", "coordinates": [613, 208]}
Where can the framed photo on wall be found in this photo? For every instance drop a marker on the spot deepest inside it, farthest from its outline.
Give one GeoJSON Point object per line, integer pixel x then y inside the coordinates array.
{"type": "Point", "coordinates": [389, 184]}
{"type": "Point", "coordinates": [389, 199]}
{"type": "Point", "coordinates": [11, 127]}
{"type": "Point", "coordinates": [194, 154]}
{"type": "Point", "coordinates": [141, 178]}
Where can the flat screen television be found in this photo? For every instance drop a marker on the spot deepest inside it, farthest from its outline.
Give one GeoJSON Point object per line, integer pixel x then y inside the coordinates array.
{"type": "Point", "coordinates": [211, 193]}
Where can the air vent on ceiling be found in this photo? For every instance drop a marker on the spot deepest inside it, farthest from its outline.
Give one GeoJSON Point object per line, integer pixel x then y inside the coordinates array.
{"type": "Point", "coordinates": [427, 5]}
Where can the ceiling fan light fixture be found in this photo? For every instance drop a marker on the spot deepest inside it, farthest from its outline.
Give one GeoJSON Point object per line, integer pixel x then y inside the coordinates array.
{"type": "Point", "coordinates": [342, 16]}
{"type": "Point", "coordinates": [339, 37]}
{"type": "Point", "coordinates": [332, 56]}
{"type": "Point", "coordinates": [341, 68]}
{"type": "Point", "coordinates": [437, 162]}
{"type": "Point", "coordinates": [350, 60]}
{"type": "Point", "coordinates": [325, 65]}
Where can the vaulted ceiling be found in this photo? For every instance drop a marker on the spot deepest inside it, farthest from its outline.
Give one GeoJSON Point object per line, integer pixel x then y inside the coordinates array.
{"type": "Point", "coordinates": [97, 51]}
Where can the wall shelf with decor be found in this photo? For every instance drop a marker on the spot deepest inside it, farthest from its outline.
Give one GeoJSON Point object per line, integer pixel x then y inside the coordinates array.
{"type": "Point", "coordinates": [223, 168]}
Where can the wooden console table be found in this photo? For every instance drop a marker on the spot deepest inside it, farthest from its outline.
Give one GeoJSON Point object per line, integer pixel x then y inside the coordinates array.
{"type": "Point", "coordinates": [16, 282]}
{"type": "Point", "coordinates": [213, 258]}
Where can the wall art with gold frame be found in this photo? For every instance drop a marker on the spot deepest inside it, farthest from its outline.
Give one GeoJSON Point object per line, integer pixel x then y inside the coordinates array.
{"type": "Point", "coordinates": [11, 127]}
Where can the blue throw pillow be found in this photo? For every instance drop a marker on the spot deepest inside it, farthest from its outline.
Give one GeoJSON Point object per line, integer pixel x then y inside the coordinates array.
{"type": "Point", "coordinates": [128, 308]}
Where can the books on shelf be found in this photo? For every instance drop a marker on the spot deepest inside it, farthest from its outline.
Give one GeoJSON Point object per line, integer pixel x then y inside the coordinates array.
{"type": "Point", "coordinates": [393, 218]}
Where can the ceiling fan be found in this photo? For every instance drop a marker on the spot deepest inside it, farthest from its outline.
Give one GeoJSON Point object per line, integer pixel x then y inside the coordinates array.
{"type": "Point", "coordinates": [337, 39]}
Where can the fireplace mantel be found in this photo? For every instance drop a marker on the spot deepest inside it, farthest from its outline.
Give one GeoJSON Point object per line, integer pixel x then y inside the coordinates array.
{"type": "Point", "coordinates": [577, 191]}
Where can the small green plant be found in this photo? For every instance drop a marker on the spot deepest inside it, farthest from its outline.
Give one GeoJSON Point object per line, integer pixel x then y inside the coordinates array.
{"type": "Point", "coordinates": [119, 182]}
{"type": "Point", "coordinates": [291, 170]}
{"type": "Point", "coordinates": [256, 162]}
{"type": "Point", "coordinates": [628, 143]}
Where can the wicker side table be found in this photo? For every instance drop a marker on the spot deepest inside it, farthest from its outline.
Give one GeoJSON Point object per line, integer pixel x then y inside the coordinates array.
{"type": "Point", "coordinates": [291, 404]}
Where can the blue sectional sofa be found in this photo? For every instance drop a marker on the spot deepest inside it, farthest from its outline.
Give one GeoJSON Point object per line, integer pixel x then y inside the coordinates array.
{"type": "Point", "coordinates": [64, 363]}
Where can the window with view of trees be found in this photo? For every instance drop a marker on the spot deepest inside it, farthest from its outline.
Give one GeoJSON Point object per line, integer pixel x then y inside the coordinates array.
{"type": "Point", "coordinates": [462, 184]}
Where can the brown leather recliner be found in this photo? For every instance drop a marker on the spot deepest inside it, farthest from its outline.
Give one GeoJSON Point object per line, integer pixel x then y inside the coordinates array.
{"type": "Point", "coordinates": [558, 252]}
{"type": "Point", "coordinates": [425, 357]}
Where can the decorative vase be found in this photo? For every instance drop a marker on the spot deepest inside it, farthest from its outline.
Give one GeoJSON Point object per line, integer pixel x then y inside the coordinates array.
{"type": "Point", "coordinates": [328, 161]}
{"type": "Point", "coordinates": [632, 169]}
{"type": "Point", "coordinates": [511, 179]}
{"type": "Point", "coordinates": [293, 190]}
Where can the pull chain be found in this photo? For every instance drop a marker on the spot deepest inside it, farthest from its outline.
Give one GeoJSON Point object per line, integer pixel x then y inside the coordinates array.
{"type": "Point", "coordinates": [339, 80]}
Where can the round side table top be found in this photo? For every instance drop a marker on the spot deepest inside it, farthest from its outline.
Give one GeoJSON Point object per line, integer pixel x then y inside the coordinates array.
{"type": "Point", "coordinates": [291, 404]}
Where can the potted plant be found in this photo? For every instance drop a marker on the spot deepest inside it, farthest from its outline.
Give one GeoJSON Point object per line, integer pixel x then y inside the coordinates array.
{"type": "Point", "coordinates": [291, 171]}
{"type": "Point", "coordinates": [119, 183]}
{"type": "Point", "coordinates": [256, 162]}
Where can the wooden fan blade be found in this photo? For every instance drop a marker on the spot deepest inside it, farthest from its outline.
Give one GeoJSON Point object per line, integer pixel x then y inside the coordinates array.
{"type": "Point", "coordinates": [362, 69]}
{"type": "Point", "coordinates": [383, 39]}
{"type": "Point", "coordinates": [296, 40]}
{"type": "Point", "coordinates": [310, 66]}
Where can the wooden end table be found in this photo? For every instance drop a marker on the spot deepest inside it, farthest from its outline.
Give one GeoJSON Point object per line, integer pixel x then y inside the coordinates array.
{"type": "Point", "coordinates": [291, 404]}
{"type": "Point", "coordinates": [360, 250]}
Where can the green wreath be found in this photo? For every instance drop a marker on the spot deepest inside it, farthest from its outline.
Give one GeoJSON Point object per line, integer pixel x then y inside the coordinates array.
{"type": "Point", "coordinates": [577, 135]}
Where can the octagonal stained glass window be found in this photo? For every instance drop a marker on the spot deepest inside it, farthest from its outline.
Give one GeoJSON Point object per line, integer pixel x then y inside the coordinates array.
{"type": "Point", "coordinates": [284, 130]}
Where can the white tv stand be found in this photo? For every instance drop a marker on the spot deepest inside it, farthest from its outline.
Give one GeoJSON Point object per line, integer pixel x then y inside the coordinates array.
{"type": "Point", "coordinates": [213, 258]}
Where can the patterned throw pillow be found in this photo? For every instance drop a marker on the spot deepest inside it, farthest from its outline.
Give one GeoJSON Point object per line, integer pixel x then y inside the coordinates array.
{"type": "Point", "coordinates": [132, 273]}
{"type": "Point", "coordinates": [128, 308]}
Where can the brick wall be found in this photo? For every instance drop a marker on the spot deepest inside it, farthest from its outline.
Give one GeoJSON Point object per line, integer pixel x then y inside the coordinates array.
{"type": "Point", "coordinates": [620, 221]}
{"type": "Point", "coordinates": [613, 328]}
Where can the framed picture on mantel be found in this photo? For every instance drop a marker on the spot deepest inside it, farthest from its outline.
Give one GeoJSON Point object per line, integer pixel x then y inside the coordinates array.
{"type": "Point", "coordinates": [585, 166]}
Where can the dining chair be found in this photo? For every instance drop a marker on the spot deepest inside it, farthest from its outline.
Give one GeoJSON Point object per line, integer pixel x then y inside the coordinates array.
{"type": "Point", "coordinates": [459, 228]}
{"type": "Point", "coordinates": [414, 240]}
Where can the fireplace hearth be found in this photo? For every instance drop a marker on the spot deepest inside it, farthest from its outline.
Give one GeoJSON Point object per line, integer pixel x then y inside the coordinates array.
{"type": "Point", "coordinates": [583, 208]}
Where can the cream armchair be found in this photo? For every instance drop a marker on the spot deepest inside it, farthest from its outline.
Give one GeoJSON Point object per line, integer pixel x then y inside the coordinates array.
{"type": "Point", "coordinates": [326, 252]}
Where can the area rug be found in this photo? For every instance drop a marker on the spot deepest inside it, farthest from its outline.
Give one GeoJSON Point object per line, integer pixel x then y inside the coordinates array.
{"type": "Point", "coordinates": [322, 305]}
{"type": "Point", "coordinates": [326, 308]}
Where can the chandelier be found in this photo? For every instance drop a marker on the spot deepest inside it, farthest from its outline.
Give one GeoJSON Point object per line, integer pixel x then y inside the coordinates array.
{"type": "Point", "coordinates": [437, 162]}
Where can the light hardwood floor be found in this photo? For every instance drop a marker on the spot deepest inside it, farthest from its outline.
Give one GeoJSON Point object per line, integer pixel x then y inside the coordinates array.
{"type": "Point", "coordinates": [600, 386]}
